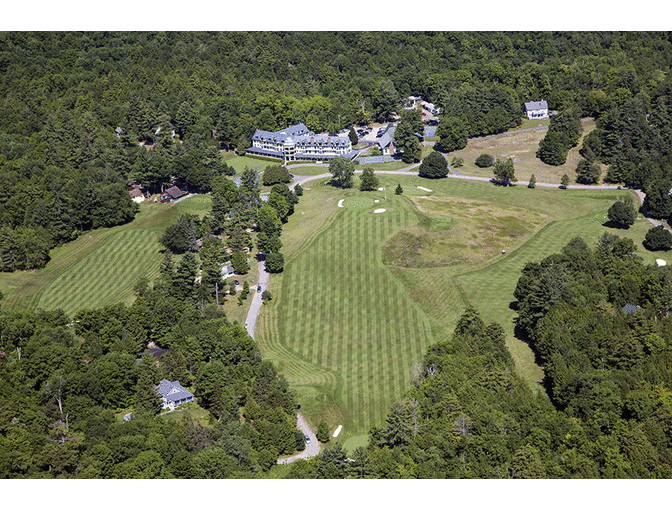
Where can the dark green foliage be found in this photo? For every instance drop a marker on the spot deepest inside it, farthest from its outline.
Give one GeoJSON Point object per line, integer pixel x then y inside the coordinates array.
{"type": "Point", "coordinates": [182, 236]}
{"type": "Point", "coordinates": [658, 239]}
{"type": "Point", "coordinates": [368, 181]}
{"type": "Point", "coordinates": [323, 432]}
{"type": "Point", "coordinates": [551, 149]}
{"type": "Point", "coordinates": [239, 262]}
{"type": "Point", "coordinates": [352, 135]}
{"type": "Point", "coordinates": [587, 172]}
{"type": "Point", "coordinates": [622, 214]}
{"type": "Point", "coordinates": [398, 190]}
{"type": "Point", "coordinates": [564, 181]}
{"type": "Point", "coordinates": [275, 262]}
{"type": "Point", "coordinates": [342, 170]}
{"type": "Point", "coordinates": [532, 183]}
{"type": "Point", "coordinates": [504, 171]}
{"type": "Point", "coordinates": [452, 133]}
{"type": "Point", "coordinates": [434, 166]}
{"type": "Point", "coordinates": [407, 133]}
{"type": "Point", "coordinates": [563, 133]}
{"type": "Point", "coordinates": [275, 174]}
{"type": "Point", "coordinates": [485, 161]}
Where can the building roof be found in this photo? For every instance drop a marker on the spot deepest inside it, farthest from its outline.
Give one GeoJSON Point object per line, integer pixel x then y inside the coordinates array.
{"type": "Point", "coordinates": [536, 105]}
{"type": "Point", "coordinates": [387, 138]}
{"type": "Point", "coordinates": [172, 391]}
{"type": "Point", "coordinates": [175, 192]}
{"type": "Point", "coordinates": [630, 309]}
{"type": "Point", "coordinates": [135, 193]}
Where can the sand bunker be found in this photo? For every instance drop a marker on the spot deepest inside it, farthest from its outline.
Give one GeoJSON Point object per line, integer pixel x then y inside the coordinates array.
{"type": "Point", "coordinates": [340, 202]}
{"type": "Point", "coordinates": [379, 211]}
{"type": "Point", "coordinates": [424, 189]}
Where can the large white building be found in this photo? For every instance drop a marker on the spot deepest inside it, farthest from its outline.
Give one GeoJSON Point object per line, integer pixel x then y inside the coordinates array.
{"type": "Point", "coordinates": [297, 143]}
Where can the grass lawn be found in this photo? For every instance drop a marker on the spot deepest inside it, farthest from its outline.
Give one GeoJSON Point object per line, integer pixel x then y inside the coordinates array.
{"type": "Point", "coordinates": [101, 266]}
{"type": "Point", "coordinates": [522, 148]}
{"type": "Point", "coordinates": [191, 412]}
{"type": "Point", "coordinates": [363, 295]}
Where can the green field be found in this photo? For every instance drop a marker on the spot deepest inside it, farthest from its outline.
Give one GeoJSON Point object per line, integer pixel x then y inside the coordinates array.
{"type": "Point", "coordinates": [101, 266]}
{"type": "Point", "coordinates": [363, 295]}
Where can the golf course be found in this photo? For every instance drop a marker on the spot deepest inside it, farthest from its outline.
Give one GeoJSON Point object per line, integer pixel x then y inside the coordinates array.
{"type": "Point", "coordinates": [371, 279]}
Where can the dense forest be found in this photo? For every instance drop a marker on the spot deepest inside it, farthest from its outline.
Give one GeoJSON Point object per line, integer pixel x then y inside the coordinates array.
{"type": "Point", "coordinates": [75, 107]}
{"type": "Point", "coordinates": [83, 116]}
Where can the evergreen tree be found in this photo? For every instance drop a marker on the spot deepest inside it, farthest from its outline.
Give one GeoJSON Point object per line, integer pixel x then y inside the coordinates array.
{"type": "Point", "coordinates": [239, 262]}
{"type": "Point", "coordinates": [368, 181]}
{"type": "Point", "coordinates": [147, 400]}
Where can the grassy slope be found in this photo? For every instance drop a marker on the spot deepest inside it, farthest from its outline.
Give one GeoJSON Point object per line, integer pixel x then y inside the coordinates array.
{"type": "Point", "coordinates": [338, 326]}
{"type": "Point", "coordinates": [522, 148]}
{"type": "Point", "coordinates": [101, 266]}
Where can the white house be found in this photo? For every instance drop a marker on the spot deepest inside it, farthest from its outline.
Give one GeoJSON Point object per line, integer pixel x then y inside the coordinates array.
{"type": "Point", "coordinates": [297, 143]}
{"type": "Point", "coordinates": [536, 109]}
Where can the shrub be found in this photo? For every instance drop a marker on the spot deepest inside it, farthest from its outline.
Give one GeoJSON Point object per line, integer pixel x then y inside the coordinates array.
{"type": "Point", "coordinates": [658, 239]}
{"type": "Point", "coordinates": [266, 295]}
{"type": "Point", "coordinates": [275, 262]}
{"type": "Point", "coordinates": [484, 161]}
{"type": "Point", "coordinates": [323, 432]}
{"type": "Point", "coordinates": [622, 214]}
{"type": "Point", "coordinates": [457, 162]}
{"type": "Point", "coordinates": [433, 166]}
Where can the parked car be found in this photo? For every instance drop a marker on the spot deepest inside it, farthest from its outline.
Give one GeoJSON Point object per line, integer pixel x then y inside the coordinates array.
{"type": "Point", "coordinates": [307, 440]}
{"type": "Point", "coordinates": [259, 288]}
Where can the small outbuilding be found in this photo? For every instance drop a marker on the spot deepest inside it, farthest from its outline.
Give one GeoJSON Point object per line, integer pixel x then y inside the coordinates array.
{"type": "Point", "coordinates": [171, 194]}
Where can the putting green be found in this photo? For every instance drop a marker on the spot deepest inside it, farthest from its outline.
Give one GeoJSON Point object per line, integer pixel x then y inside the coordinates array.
{"type": "Point", "coordinates": [359, 203]}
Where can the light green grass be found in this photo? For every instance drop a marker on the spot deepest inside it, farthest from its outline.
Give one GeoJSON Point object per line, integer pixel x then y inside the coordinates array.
{"type": "Point", "coordinates": [338, 327]}
{"type": "Point", "coordinates": [342, 329]}
{"type": "Point", "coordinates": [102, 265]}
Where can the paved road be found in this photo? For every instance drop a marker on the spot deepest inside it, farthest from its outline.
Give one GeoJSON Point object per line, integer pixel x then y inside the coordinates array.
{"type": "Point", "coordinates": [312, 448]}
{"type": "Point", "coordinates": [255, 307]}
{"type": "Point", "coordinates": [302, 179]}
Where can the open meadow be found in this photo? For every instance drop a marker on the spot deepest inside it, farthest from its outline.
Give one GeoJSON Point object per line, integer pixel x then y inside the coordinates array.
{"type": "Point", "coordinates": [521, 147]}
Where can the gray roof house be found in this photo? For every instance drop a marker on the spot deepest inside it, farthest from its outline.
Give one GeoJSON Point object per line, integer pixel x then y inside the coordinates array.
{"type": "Point", "coordinates": [173, 394]}
{"type": "Point", "coordinates": [536, 109]}
{"type": "Point", "coordinates": [298, 143]}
